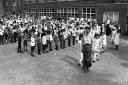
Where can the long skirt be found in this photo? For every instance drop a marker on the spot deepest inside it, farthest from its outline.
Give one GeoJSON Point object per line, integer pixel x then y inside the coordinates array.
{"type": "Point", "coordinates": [87, 49]}
{"type": "Point", "coordinates": [108, 30]}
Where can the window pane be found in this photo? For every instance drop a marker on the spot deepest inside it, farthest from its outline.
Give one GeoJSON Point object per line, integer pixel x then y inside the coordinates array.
{"type": "Point", "coordinates": [88, 10]}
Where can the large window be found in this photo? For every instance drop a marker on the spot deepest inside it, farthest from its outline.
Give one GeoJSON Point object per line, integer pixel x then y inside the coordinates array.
{"type": "Point", "coordinates": [42, 12]}
{"type": "Point", "coordinates": [30, 1]}
{"type": "Point", "coordinates": [89, 13]}
{"type": "Point", "coordinates": [66, 0]}
{"type": "Point", "coordinates": [31, 12]}
{"type": "Point", "coordinates": [62, 12]}
{"type": "Point", "coordinates": [46, 12]}
{"type": "Point", "coordinates": [41, 1]}
{"type": "Point", "coordinates": [50, 0]}
{"type": "Point", "coordinates": [68, 12]}
{"type": "Point", "coordinates": [73, 12]}
{"type": "Point", "coordinates": [28, 12]}
{"type": "Point", "coordinates": [50, 12]}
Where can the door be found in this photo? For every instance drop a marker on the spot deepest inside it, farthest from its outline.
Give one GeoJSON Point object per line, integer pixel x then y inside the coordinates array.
{"type": "Point", "coordinates": [111, 17]}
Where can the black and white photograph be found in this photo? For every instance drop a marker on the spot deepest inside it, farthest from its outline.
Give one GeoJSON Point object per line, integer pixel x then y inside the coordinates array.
{"type": "Point", "coordinates": [63, 42]}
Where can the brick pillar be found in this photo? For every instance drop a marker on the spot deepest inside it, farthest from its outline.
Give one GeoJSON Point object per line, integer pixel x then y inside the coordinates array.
{"type": "Point", "coordinates": [80, 12]}
{"type": "Point", "coordinates": [37, 12]}
{"type": "Point", "coordinates": [2, 9]}
{"type": "Point", "coordinates": [123, 20]}
{"type": "Point", "coordinates": [55, 12]}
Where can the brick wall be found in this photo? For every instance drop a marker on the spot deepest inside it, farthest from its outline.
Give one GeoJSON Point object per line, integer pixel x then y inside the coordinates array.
{"type": "Point", "coordinates": [101, 1]}
{"type": "Point", "coordinates": [2, 10]}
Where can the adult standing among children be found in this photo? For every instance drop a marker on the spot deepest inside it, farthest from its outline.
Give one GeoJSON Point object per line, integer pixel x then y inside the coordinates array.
{"type": "Point", "coordinates": [15, 33]}
{"type": "Point", "coordinates": [39, 43]}
{"type": "Point", "coordinates": [61, 38]}
{"type": "Point", "coordinates": [25, 40]}
{"type": "Point", "coordinates": [87, 49]}
{"type": "Point", "coordinates": [19, 43]}
{"type": "Point", "coordinates": [108, 28]}
{"type": "Point", "coordinates": [69, 37]}
{"type": "Point", "coordinates": [73, 37]}
{"type": "Point", "coordinates": [56, 39]}
{"type": "Point", "coordinates": [6, 35]}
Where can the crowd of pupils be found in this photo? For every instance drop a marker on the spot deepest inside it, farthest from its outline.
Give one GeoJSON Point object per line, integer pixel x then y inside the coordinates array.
{"type": "Point", "coordinates": [45, 34]}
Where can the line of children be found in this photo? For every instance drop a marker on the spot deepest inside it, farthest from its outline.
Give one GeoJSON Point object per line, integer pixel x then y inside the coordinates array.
{"type": "Point", "coordinates": [54, 31]}
{"type": "Point", "coordinates": [98, 41]}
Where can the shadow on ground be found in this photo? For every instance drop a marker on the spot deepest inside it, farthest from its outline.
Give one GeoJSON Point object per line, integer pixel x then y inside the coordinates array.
{"type": "Point", "coordinates": [72, 61]}
{"type": "Point", "coordinates": [122, 53]}
{"type": "Point", "coordinates": [96, 77]}
{"type": "Point", "coordinates": [125, 65]}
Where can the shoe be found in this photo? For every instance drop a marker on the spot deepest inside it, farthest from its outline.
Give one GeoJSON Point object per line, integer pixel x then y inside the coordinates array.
{"type": "Point", "coordinates": [93, 61]}
{"type": "Point", "coordinates": [87, 70]}
{"type": "Point", "coordinates": [39, 54]}
{"type": "Point", "coordinates": [33, 55]}
{"type": "Point", "coordinates": [79, 64]}
{"type": "Point", "coordinates": [64, 47]}
{"type": "Point", "coordinates": [47, 51]}
{"type": "Point", "coordinates": [21, 52]}
{"type": "Point", "coordinates": [97, 59]}
{"type": "Point", "coordinates": [57, 49]}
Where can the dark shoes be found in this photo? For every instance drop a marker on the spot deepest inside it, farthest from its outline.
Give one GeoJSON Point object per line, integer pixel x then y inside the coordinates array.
{"type": "Point", "coordinates": [33, 55]}
{"type": "Point", "coordinates": [93, 61]}
{"type": "Point", "coordinates": [79, 64]}
{"type": "Point", "coordinates": [97, 59]}
{"type": "Point", "coordinates": [39, 53]}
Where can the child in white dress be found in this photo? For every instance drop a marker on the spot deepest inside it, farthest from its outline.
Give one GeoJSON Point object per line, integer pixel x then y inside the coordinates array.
{"type": "Point", "coordinates": [96, 47]}
{"type": "Point", "coordinates": [33, 43]}
{"type": "Point", "coordinates": [113, 34]}
{"type": "Point", "coordinates": [117, 38]}
{"type": "Point", "coordinates": [44, 42]}
{"type": "Point", "coordinates": [104, 41]}
{"type": "Point", "coordinates": [81, 31]}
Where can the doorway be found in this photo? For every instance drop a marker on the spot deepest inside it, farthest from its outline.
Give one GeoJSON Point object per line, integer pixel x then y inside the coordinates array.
{"type": "Point", "coordinates": [112, 17]}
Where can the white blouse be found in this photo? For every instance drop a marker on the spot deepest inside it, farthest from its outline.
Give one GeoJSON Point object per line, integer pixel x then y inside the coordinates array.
{"type": "Point", "coordinates": [44, 40]}
{"type": "Point", "coordinates": [33, 41]}
{"type": "Point", "coordinates": [88, 39]}
{"type": "Point", "coordinates": [96, 44]}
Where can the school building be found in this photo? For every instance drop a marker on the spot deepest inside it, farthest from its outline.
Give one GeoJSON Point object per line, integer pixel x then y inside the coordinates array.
{"type": "Point", "coordinates": [102, 10]}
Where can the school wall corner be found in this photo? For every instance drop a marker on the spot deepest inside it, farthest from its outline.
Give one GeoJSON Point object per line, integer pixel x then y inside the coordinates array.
{"type": "Point", "coordinates": [113, 8]}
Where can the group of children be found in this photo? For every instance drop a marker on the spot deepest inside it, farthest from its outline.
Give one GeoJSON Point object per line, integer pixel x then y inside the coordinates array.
{"type": "Point", "coordinates": [45, 34]}
{"type": "Point", "coordinates": [98, 43]}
